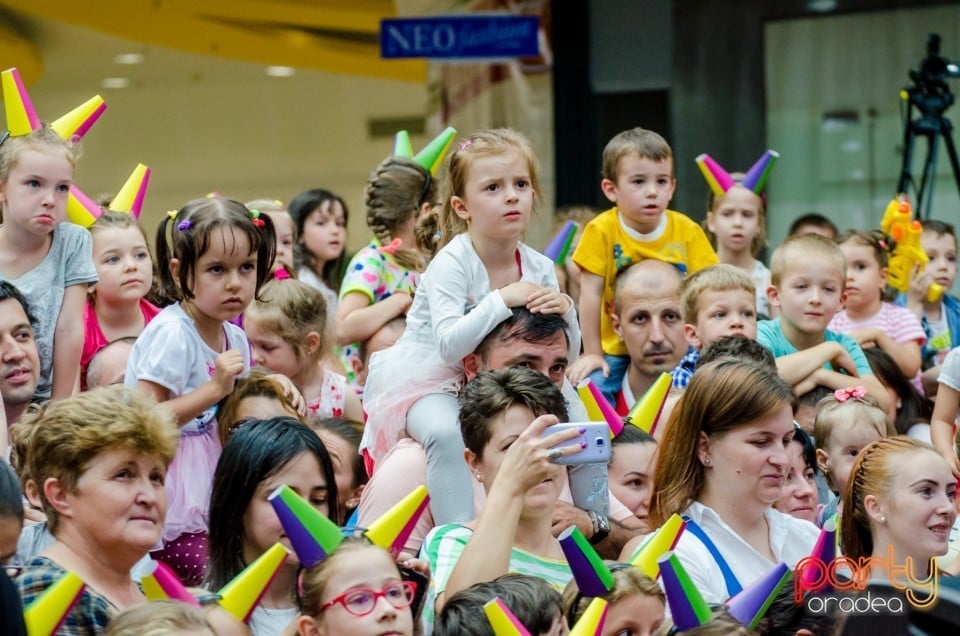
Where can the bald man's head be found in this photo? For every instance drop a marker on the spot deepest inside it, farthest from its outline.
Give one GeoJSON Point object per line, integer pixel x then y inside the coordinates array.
{"type": "Point", "coordinates": [658, 277]}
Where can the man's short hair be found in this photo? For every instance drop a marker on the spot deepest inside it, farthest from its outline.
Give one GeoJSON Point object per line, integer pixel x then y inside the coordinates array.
{"type": "Point", "coordinates": [523, 325]}
{"type": "Point", "coordinates": [805, 248]}
{"type": "Point", "coordinates": [739, 347]}
{"type": "Point", "coordinates": [719, 278]}
{"type": "Point", "coordinates": [7, 290]}
{"type": "Point", "coordinates": [535, 604]}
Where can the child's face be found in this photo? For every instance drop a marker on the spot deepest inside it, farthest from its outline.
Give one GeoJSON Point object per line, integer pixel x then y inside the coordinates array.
{"type": "Point", "coordinates": [325, 232]}
{"type": "Point", "coordinates": [731, 312]}
{"type": "Point", "coordinates": [498, 197]}
{"type": "Point", "coordinates": [808, 296]}
{"type": "Point", "coordinates": [735, 219]}
{"type": "Point", "coordinates": [123, 264]}
{"type": "Point", "coordinates": [34, 195]}
{"type": "Point", "coordinates": [558, 627]}
{"type": "Point", "coordinates": [636, 614]}
{"type": "Point", "coordinates": [941, 249]}
{"type": "Point", "coordinates": [365, 574]}
{"type": "Point", "coordinates": [341, 455]}
{"type": "Point", "coordinates": [846, 441]}
{"type": "Point", "coordinates": [630, 476]}
{"type": "Point", "coordinates": [225, 276]}
{"type": "Point", "coordinates": [642, 191]}
{"type": "Point", "coordinates": [269, 350]}
{"type": "Point", "coordinates": [283, 225]}
{"type": "Point", "coordinates": [261, 526]}
{"type": "Point", "coordinates": [865, 278]}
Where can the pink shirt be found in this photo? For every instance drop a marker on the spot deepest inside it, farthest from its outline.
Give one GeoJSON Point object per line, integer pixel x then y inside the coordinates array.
{"type": "Point", "coordinates": [93, 338]}
{"type": "Point", "coordinates": [901, 324]}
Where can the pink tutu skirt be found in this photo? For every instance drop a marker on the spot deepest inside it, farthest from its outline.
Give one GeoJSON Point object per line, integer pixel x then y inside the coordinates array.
{"type": "Point", "coordinates": [189, 481]}
{"type": "Point", "coordinates": [398, 377]}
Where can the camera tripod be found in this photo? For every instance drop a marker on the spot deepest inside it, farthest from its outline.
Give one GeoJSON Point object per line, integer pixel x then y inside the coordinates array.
{"type": "Point", "coordinates": [931, 96]}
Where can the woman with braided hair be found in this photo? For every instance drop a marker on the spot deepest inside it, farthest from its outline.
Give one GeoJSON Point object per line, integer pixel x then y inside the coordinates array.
{"type": "Point", "coordinates": [380, 280]}
{"type": "Point", "coordinates": [898, 505]}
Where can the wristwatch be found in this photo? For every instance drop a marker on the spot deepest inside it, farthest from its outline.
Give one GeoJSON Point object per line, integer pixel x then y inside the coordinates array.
{"type": "Point", "coordinates": [601, 527]}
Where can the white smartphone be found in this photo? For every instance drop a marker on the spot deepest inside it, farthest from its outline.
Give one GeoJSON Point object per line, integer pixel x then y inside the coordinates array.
{"type": "Point", "coordinates": [596, 440]}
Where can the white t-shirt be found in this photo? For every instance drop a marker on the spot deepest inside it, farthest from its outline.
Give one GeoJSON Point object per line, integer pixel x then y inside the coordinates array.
{"type": "Point", "coordinates": [270, 622]}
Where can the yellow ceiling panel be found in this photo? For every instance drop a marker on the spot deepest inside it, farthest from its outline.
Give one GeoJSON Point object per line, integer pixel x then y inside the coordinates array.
{"type": "Point", "coordinates": [333, 35]}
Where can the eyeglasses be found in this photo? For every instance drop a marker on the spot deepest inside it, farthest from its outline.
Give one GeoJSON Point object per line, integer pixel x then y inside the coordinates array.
{"type": "Point", "coordinates": [361, 602]}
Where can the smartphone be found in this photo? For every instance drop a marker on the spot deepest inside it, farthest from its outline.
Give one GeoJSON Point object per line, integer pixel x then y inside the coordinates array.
{"type": "Point", "coordinates": [596, 438]}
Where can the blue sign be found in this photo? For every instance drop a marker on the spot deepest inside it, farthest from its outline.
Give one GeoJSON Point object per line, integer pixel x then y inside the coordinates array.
{"type": "Point", "coordinates": [461, 36]}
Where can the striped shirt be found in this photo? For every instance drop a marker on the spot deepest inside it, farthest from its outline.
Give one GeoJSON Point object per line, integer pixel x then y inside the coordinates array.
{"type": "Point", "coordinates": [442, 549]}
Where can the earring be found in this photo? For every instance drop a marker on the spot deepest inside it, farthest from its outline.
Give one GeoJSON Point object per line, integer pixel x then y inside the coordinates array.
{"type": "Point", "coordinates": [883, 519]}
{"type": "Point", "coordinates": [707, 462]}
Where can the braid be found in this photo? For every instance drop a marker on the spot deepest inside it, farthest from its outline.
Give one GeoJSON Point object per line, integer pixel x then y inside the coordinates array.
{"type": "Point", "coordinates": [391, 197]}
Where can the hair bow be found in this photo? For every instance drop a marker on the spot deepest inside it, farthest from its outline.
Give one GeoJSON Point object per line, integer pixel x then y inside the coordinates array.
{"type": "Point", "coordinates": [855, 392]}
{"type": "Point", "coordinates": [464, 144]}
{"type": "Point", "coordinates": [392, 247]}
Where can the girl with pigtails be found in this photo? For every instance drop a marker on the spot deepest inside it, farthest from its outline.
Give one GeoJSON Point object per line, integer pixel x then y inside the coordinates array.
{"type": "Point", "coordinates": [380, 280]}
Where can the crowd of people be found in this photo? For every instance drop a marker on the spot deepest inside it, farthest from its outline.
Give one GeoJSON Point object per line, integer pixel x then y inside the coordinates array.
{"type": "Point", "coordinates": [242, 351]}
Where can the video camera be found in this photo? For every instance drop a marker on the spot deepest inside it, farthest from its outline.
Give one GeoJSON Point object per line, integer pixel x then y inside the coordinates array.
{"type": "Point", "coordinates": [931, 93]}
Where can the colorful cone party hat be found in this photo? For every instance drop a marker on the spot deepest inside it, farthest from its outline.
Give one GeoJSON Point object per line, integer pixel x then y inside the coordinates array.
{"type": "Point", "coordinates": [393, 528]}
{"type": "Point", "coordinates": [757, 175]}
{"type": "Point", "coordinates": [81, 209]}
{"type": "Point", "coordinates": [44, 616]}
{"type": "Point", "coordinates": [130, 197]}
{"type": "Point", "coordinates": [311, 534]}
{"type": "Point", "coordinates": [592, 575]}
{"type": "Point", "coordinates": [592, 620]}
{"type": "Point", "coordinates": [78, 121]}
{"type": "Point", "coordinates": [750, 605]}
{"type": "Point", "coordinates": [555, 250]}
{"type": "Point", "coordinates": [502, 620]}
{"type": "Point", "coordinates": [22, 118]}
{"type": "Point", "coordinates": [589, 402]}
{"type": "Point", "coordinates": [824, 549]}
{"type": "Point", "coordinates": [687, 606]}
{"type": "Point", "coordinates": [402, 146]}
{"type": "Point", "coordinates": [645, 413]}
{"type": "Point", "coordinates": [160, 583]}
{"type": "Point", "coordinates": [432, 154]}
{"type": "Point", "coordinates": [663, 540]}
{"type": "Point", "coordinates": [610, 416]}
{"type": "Point", "coordinates": [242, 594]}
{"type": "Point", "coordinates": [717, 178]}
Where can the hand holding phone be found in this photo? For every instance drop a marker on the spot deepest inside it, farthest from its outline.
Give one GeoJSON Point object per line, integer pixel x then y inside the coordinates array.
{"type": "Point", "coordinates": [595, 441]}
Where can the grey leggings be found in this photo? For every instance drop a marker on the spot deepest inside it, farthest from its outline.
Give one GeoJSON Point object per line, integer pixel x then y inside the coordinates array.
{"type": "Point", "coordinates": [434, 421]}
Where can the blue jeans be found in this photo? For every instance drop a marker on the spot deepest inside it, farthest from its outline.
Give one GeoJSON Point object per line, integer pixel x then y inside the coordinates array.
{"type": "Point", "coordinates": [611, 384]}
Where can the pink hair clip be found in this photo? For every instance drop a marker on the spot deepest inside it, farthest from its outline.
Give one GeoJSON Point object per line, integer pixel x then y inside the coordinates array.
{"type": "Point", "coordinates": [464, 144]}
{"type": "Point", "coordinates": [392, 247]}
{"type": "Point", "coordinates": [855, 392]}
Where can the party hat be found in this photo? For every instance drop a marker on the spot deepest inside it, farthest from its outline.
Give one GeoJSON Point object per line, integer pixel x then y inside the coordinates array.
{"type": "Point", "coordinates": [752, 602]}
{"type": "Point", "coordinates": [22, 118]}
{"type": "Point", "coordinates": [130, 197]}
{"type": "Point", "coordinates": [502, 620]}
{"type": "Point", "coordinates": [401, 145]}
{"type": "Point", "coordinates": [554, 251]}
{"type": "Point", "coordinates": [45, 614]}
{"type": "Point", "coordinates": [392, 529]}
{"type": "Point", "coordinates": [645, 413]}
{"type": "Point", "coordinates": [756, 177]}
{"type": "Point", "coordinates": [78, 121]}
{"type": "Point", "coordinates": [592, 575]}
{"type": "Point", "coordinates": [687, 606]}
{"type": "Point", "coordinates": [159, 582]}
{"type": "Point", "coordinates": [242, 594]}
{"type": "Point", "coordinates": [589, 402]}
{"type": "Point", "coordinates": [663, 540]}
{"type": "Point", "coordinates": [81, 209]}
{"type": "Point", "coordinates": [431, 156]}
{"type": "Point", "coordinates": [311, 534]}
{"type": "Point", "coordinates": [825, 549]}
{"type": "Point", "coordinates": [592, 619]}
{"type": "Point", "coordinates": [717, 178]}
{"type": "Point", "coordinates": [608, 414]}
{"type": "Point", "coordinates": [567, 245]}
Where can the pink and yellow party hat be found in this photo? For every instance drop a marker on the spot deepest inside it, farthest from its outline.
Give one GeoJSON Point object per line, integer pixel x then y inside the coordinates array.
{"type": "Point", "coordinates": [592, 575]}
{"type": "Point", "coordinates": [312, 535]}
{"type": "Point", "coordinates": [598, 409]}
{"type": "Point", "coordinates": [81, 209]}
{"type": "Point", "coordinates": [431, 156]}
{"type": "Point", "coordinates": [160, 583]}
{"type": "Point", "coordinates": [45, 614]}
{"type": "Point", "coordinates": [392, 529]}
{"type": "Point", "coordinates": [130, 197]}
{"type": "Point", "coordinates": [717, 178]}
{"type": "Point", "coordinates": [645, 413]}
{"type": "Point", "coordinates": [502, 620]}
{"type": "Point", "coordinates": [687, 606]}
{"type": "Point", "coordinates": [22, 117]}
{"type": "Point", "coordinates": [662, 541]}
{"type": "Point", "coordinates": [75, 124]}
{"type": "Point", "coordinates": [241, 595]}
{"type": "Point", "coordinates": [592, 620]}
